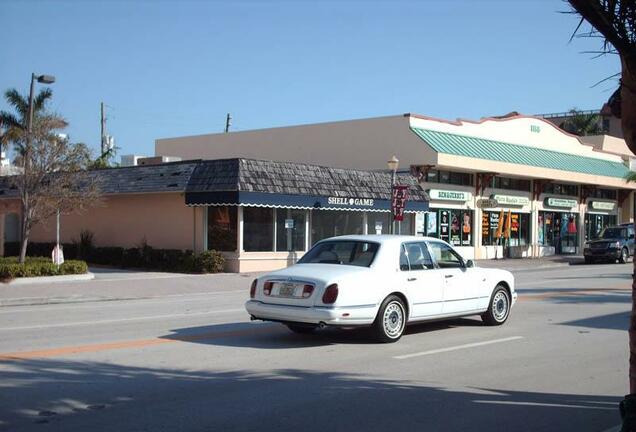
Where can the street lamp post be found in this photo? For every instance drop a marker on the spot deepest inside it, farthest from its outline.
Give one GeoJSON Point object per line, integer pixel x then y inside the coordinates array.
{"type": "Point", "coordinates": [44, 79]}
{"type": "Point", "coordinates": [393, 164]}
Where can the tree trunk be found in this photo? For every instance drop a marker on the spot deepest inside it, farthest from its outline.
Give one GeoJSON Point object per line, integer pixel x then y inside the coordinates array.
{"type": "Point", "coordinates": [628, 122]}
{"type": "Point", "coordinates": [24, 231]}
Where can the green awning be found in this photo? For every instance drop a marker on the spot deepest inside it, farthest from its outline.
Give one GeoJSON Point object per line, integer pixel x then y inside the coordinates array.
{"type": "Point", "coordinates": [479, 148]}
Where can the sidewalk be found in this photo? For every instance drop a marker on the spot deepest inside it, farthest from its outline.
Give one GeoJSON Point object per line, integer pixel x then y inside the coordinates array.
{"type": "Point", "coordinates": [115, 284]}
{"type": "Point", "coordinates": [528, 264]}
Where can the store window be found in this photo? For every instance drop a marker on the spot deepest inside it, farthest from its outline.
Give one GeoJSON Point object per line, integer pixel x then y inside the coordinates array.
{"type": "Point", "coordinates": [331, 223]}
{"type": "Point", "coordinates": [454, 226]}
{"type": "Point", "coordinates": [519, 228]}
{"type": "Point", "coordinates": [449, 177]}
{"type": "Point", "coordinates": [510, 183]}
{"type": "Point", "coordinates": [258, 229]}
{"type": "Point", "coordinates": [558, 230]}
{"type": "Point", "coordinates": [595, 223]}
{"type": "Point", "coordinates": [290, 230]}
{"type": "Point", "coordinates": [561, 189]}
{"type": "Point", "coordinates": [222, 228]}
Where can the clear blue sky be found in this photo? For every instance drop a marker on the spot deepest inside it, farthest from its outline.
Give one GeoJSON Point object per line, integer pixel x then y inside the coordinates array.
{"type": "Point", "coordinates": [171, 68]}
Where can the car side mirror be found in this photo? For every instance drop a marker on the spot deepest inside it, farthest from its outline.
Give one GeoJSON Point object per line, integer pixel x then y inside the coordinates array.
{"type": "Point", "coordinates": [469, 263]}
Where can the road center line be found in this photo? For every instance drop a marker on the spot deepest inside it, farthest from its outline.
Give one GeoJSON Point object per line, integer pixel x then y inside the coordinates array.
{"type": "Point", "coordinates": [111, 321]}
{"type": "Point", "coordinates": [458, 347]}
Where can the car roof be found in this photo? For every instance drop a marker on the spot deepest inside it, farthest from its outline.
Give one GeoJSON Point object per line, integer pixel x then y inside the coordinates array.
{"type": "Point", "coordinates": [383, 238]}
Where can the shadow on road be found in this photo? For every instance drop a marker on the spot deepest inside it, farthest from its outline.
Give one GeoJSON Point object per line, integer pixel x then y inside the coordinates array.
{"type": "Point", "coordinates": [615, 321]}
{"type": "Point", "coordinates": [96, 396]}
{"type": "Point", "coordinates": [277, 336]}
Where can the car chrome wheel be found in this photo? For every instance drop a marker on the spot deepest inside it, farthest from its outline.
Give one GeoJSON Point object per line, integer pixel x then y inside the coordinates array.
{"type": "Point", "coordinates": [393, 320]}
{"type": "Point", "coordinates": [500, 306]}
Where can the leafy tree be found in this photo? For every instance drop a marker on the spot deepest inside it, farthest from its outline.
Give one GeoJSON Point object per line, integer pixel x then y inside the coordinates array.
{"type": "Point", "coordinates": [615, 22]}
{"type": "Point", "coordinates": [54, 176]}
{"type": "Point", "coordinates": [582, 124]}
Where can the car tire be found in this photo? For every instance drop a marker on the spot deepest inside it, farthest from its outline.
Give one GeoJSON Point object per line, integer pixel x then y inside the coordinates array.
{"type": "Point", "coordinates": [391, 320]}
{"type": "Point", "coordinates": [301, 329]}
{"type": "Point", "coordinates": [589, 260]}
{"type": "Point", "coordinates": [624, 256]}
{"type": "Point", "coordinates": [498, 308]}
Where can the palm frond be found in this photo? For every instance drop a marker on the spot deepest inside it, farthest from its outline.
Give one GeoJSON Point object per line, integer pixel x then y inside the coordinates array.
{"type": "Point", "coordinates": [40, 100]}
{"type": "Point", "coordinates": [16, 100]}
{"type": "Point", "coordinates": [8, 121]}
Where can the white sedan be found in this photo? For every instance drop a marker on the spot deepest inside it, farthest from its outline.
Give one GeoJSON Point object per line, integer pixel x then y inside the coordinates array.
{"type": "Point", "coordinates": [383, 281]}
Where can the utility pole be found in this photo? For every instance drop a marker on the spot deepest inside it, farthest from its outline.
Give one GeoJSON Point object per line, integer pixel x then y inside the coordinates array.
{"type": "Point", "coordinates": [228, 123]}
{"type": "Point", "coordinates": [103, 129]}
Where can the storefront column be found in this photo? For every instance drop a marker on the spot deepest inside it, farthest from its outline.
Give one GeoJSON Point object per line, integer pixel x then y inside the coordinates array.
{"type": "Point", "coordinates": [477, 237]}
{"type": "Point", "coordinates": [581, 227]}
{"type": "Point", "coordinates": [239, 231]}
{"type": "Point", "coordinates": [534, 230]}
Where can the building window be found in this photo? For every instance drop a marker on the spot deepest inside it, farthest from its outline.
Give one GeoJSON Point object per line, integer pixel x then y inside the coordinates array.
{"type": "Point", "coordinates": [331, 223]}
{"type": "Point", "coordinates": [222, 228]}
{"type": "Point", "coordinates": [558, 230]}
{"type": "Point", "coordinates": [258, 229]}
{"type": "Point", "coordinates": [561, 189]}
{"type": "Point", "coordinates": [380, 223]}
{"type": "Point", "coordinates": [510, 183]}
{"type": "Point", "coordinates": [451, 225]}
{"type": "Point", "coordinates": [595, 223]}
{"type": "Point", "coordinates": [449, 177]}
{"type": "Point", "coordinates": [290, 230]}
{"type": "Point", "coordinates": [519, 229]}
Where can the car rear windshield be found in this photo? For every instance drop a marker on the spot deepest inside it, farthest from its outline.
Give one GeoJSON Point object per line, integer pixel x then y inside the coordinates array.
{"type": "Point", "coordinates": [613, 233]}
{"type": "Point", "coordinates": [355, 253]}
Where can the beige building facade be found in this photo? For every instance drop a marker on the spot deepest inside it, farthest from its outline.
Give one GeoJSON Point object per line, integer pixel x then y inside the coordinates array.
{"type": "Point", "coordinates": [555, 190]}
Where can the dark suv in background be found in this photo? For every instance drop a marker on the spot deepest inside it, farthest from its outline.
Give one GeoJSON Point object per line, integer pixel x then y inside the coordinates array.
{"type": "Point", "coordinates": [614, 243]}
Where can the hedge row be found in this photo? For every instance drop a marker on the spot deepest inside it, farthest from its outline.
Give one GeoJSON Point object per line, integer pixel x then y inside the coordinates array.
{"type": "Point", "coordinates": [145, 257]}
{"type": "Point", "coordinates": [10, 268]}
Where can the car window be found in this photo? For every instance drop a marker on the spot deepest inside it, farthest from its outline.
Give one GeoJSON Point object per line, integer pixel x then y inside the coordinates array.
{"type": "Point", "coordinates": [417, 256]}
{"type": "Point", "coordinates": [445, 256]}
{"type": "Point", "coordinates": [404, 261]}
{"type": "Point", "coordinates": [356, 253]}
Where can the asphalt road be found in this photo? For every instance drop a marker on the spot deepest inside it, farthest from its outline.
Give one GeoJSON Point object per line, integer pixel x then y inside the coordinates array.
{"type": "Point", "coordinates": [194, 362]}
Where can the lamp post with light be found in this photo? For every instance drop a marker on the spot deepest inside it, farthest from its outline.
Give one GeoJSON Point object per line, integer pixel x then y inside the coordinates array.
{"type": "Point", "coordinates": [393, 164]}
{"type": "Point", "coordinates": [43, 79]}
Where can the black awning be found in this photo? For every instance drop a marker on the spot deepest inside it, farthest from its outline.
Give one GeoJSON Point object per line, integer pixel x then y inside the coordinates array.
{"type": "Point", "coordinates": [260, 199]}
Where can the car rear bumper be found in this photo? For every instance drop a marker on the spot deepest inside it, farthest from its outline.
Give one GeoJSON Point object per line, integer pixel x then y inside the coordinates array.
{"type": "Point", "coordinates": [338, 316]}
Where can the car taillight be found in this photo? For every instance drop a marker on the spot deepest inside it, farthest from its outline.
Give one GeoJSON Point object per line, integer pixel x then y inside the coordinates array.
{"type": "Point", "coordinates": [307, 291]}
{"type": "Point", "coordinates": [253, 289]}
{"type": "Point", "coordinates": [267, 288]}
{"type": "Point", "coordinates": [331, 294]}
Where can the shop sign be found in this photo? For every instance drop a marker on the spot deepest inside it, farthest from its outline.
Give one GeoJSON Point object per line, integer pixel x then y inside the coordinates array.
{"type": "Point", "coordinates": [560, 202]}
{"type": "Point", "coordinates": [510, 200]}
{"type": "Point", "coordinates": [289, 224]}
{"type": "Point", "coordinates": [447, 195]}
{"type": "Point", "coordinates": [398, 201]}
{"type": "Point", "coordinates": [367, 202]}
{"type": "Point", "coordinates": [603, 205]}
{"type": "Point", "coordinates": [487, 203]}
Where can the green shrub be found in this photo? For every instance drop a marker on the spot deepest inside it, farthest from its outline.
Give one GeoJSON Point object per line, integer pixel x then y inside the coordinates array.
{"type": "Point", "coordinates": [211, 261]}
{"type": "Point", "coordinates": [38, 266]}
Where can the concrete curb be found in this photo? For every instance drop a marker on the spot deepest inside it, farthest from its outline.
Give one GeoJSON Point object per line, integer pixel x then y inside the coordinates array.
{"type": "Point", "coordinates": [51, 279]}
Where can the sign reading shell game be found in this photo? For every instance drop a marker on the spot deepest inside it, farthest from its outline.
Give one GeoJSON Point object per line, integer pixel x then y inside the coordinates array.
{"type": "Point", "coordinates": [398, 201]}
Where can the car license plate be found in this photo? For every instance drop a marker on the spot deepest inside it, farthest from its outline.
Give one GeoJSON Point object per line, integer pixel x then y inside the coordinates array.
{"type": "Point", "coordinates": [287, 290]}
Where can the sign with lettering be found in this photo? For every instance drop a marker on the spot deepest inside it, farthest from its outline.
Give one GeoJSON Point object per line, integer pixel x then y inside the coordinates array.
{"type": "Point", "coordinates": [560, 202]}
{"type": "Point", "coordinates": [603, 205]}
{"type": "Point", "coordinates": [398, 201]}
{"type": "Point", "coordinates": [487, 203]}
{"type": "Point", "coordinates": [447, 195]}
{"type": "Point", "coordinates": [511, 200]}
{"type": "Point", "coordinates": [367, 202]}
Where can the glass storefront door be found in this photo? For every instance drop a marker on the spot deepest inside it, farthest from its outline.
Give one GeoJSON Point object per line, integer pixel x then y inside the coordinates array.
{"type": "Point", "coordinates": [594, 224]}
{"type": "Point", "coordinates": [559, 230]}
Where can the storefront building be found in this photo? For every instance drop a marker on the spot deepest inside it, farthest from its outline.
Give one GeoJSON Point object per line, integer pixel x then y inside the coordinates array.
{"type": "Point", "coordinates": [553, 189]}
{"type": "Point", "coordinates": [262, 215]}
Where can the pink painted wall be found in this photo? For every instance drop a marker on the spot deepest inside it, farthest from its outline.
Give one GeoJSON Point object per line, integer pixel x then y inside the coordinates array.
{"type": "Point", "coordinates": [124, 220]}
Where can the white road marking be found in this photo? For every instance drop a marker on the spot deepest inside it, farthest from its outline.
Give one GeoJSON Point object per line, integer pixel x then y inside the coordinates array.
{"type": "Point", "coordinates": [543, 404]}
{"type": "Point", "coordinates": [80, 323]}
{"type": "Point", "coordinates": [458, 347]}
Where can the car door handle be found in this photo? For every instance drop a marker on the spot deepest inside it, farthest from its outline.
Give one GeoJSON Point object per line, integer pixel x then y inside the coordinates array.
{"type": "Point", "coordinates": [411, 279]}
{"type": "Point", "coordinates": [448, 276]}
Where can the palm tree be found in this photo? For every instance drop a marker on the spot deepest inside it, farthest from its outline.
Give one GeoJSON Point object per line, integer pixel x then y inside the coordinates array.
{"type": "Point", "coordinates": [13, 126]}
{"type": "Point", "coordinates": [582, 124]}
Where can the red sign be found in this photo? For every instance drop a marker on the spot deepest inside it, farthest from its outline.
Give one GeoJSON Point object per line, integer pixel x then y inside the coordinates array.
{"type": "Point", "coordinates": [398, 201]}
